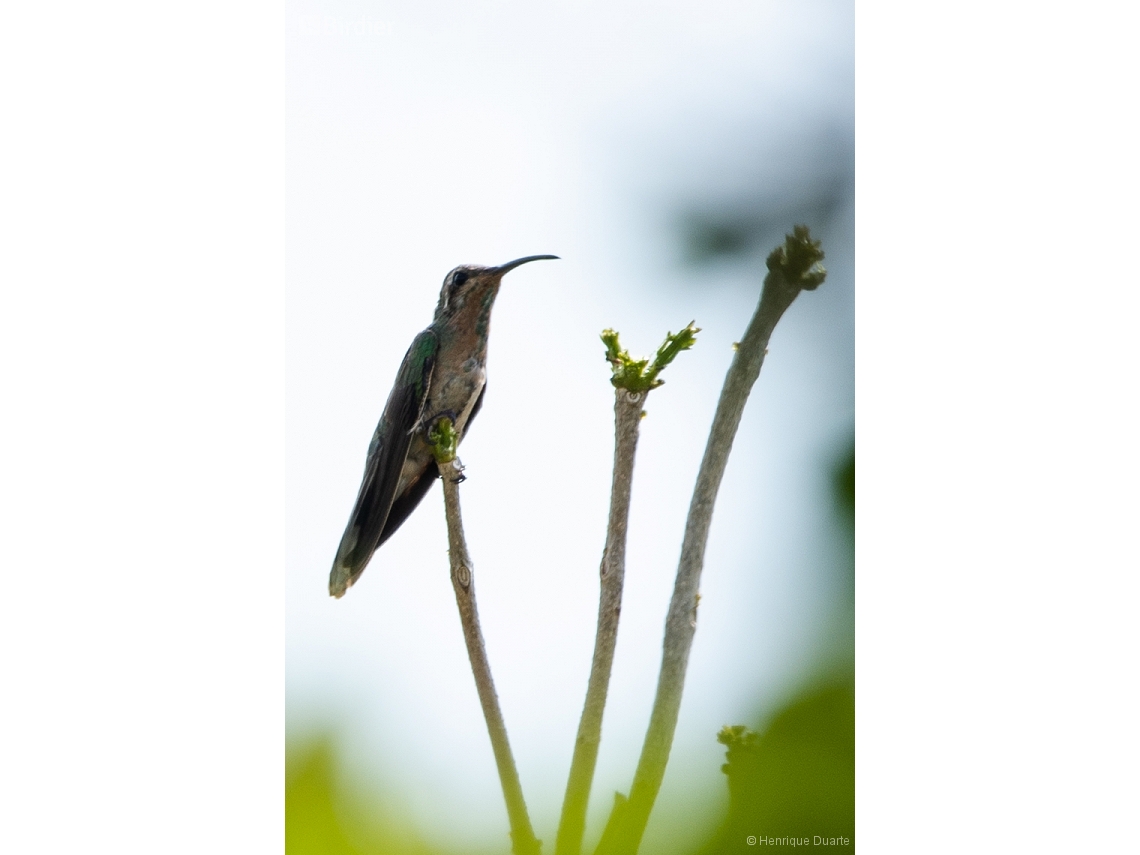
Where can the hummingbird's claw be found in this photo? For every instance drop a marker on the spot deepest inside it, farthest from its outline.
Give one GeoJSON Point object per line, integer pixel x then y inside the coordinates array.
{"type": "Point", "coordinates": [452, 471]}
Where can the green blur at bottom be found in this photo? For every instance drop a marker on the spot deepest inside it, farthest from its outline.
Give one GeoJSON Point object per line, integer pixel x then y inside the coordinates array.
{"type": "Point", "coordinates": [792, 785]}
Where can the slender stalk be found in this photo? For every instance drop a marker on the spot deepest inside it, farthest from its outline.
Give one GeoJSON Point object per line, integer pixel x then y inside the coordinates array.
{"type": "Point", "coordinates": [791, 268]}
{"type": "Point", "coordinates": [633, 379]}
{"type": "Point", "coordinates": [523, 841]}
{"type": "Point", "coordinates": [571, 827]}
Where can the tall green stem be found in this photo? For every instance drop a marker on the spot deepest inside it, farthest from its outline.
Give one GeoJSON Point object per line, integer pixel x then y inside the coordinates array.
{"type": "Point", "coordinates": [523, 841]}
{"type": "Point", "coordinates": [791, 268]}
{"type": "Point", "coordinates": [571, 827]}
{"type": "Point", "coordinates": [633, 379]}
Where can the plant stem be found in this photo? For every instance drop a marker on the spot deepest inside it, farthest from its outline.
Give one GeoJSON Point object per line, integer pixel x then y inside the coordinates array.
{"type": "Point", "coordinates": [571, 827]}
{"type": "Point", "coordinates": [791, 268]}
{"type": "Point", "coordinates": [523, 841]}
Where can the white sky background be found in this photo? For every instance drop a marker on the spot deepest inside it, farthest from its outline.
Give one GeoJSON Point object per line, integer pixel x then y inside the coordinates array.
{"type": "Point", "coordinates": [142, 371]}
{"type": "Point", "coordinates": [424, 137]}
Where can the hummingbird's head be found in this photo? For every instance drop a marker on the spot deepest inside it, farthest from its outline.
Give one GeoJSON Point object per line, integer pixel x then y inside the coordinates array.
{"type": "Point", "coordinates": [474, 288]}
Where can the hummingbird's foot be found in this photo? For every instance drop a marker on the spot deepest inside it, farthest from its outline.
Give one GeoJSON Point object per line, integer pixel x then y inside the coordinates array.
{"type": "Point", "coordinates": [453, 471]}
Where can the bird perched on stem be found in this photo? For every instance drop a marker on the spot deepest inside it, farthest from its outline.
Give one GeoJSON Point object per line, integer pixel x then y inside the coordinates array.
{"type": "Point", "coordinates": [443, 375]}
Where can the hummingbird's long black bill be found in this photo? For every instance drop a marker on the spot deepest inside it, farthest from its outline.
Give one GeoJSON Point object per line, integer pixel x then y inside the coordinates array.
{"type": "Point", "coordinates": [511, 265]}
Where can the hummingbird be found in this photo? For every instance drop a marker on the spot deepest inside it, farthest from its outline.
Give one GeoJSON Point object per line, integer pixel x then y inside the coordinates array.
{"type": "Point", "coordinates": [444, 373]}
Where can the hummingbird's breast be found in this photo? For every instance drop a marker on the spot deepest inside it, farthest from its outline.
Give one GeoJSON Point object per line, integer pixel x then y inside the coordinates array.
{"type": "Point", "coordinates": [454, 389]}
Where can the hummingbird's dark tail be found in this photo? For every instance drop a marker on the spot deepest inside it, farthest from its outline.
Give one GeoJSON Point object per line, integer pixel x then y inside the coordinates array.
{"type": "Point", "coordinates": [352, 556]}
{"type": "Point", "coordinates": [345, 571]}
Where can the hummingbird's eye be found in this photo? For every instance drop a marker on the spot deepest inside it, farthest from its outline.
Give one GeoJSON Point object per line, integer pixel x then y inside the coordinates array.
{"type": "Point", "coordinates": [459, 278]}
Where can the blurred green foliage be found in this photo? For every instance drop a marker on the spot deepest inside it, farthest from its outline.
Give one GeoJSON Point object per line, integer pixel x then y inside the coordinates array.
{"type": "Point", "coordinates": [708, 238]}
{"type": "Point", "coordinates": [844, 482]}
{"type": "Point", "coordinates": [794, 780]}
{"type": "Point", "coordinates": [322, 817]}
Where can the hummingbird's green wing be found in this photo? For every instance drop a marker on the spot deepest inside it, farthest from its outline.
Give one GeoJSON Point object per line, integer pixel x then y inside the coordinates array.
{"type": "Point", "coordinates": [407, 501]}
{"type": "Point", "coordinates": [386, 455]}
